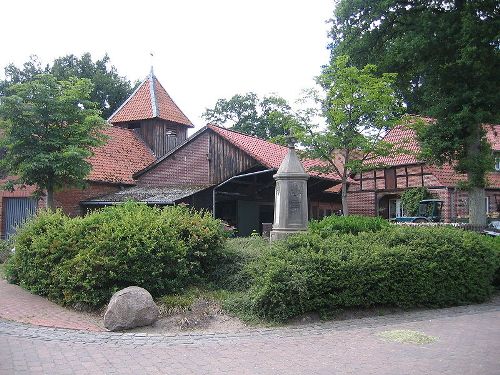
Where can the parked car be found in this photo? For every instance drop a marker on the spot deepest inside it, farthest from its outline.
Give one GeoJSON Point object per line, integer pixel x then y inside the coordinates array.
{"type": "Point", "coordinates": [493, 229]}
{"type": "Point", "coordinates": [429, 211]}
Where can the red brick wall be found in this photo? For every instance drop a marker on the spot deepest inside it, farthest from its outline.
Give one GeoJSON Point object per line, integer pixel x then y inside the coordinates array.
{"type": "Point", "coordinates": [361, 203]}
{"type": "Point", "coordinates": [187, 166]}
{"type": "Point", "coordinates": [69, 199]}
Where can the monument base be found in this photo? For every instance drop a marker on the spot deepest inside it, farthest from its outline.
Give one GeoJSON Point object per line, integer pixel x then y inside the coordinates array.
{"type": "Point", "coordinates": [279, 234]}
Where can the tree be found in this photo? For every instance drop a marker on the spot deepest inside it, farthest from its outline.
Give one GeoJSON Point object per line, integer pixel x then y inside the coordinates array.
{"type": "Point", "coordinates": [109, 88]}
{"type": "Point", "coordinates": [49, 129]}
{"type": "Point", "coordinates": [266, 118]}
{"type": "Point", "coordinates": [447, 56]}
{"type": "Point", "coordinates": [360, 108]}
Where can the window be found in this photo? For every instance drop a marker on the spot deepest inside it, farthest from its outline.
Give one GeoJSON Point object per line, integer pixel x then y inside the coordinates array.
{"type": "Point", "coordinates": [487, 204]}
{"type": "Point", "coordinates": [497, 164]}
{"type": "Point", "coordinates": [395, 208]}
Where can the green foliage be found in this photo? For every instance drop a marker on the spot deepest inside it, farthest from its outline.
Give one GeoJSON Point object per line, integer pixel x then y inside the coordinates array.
{"type": "Point", "coordinates": [360, 106]}
{"type": "Point", "coordinates": [181, 301]}
{"type": "Point", "coordinates": [234, 268]}
{"type": "Point", "coordinates": [49, 129]}
{"type": "Point", "coordinates": [267, 118]}
{"type": "Point", "coordinates": [352, 224]}
{"type": "Point", "coordinates": [109, 88]}
{"type": "Point", "coordinates": [412, 197]}
{"type": "Point", "coordinates": [5, 251]}
{"type": "Point", "coordinates": [447, 57]}
{"type": "Point", "coordinates": [397, 266]}
{"type": "Point", "coordinates": [85, 260]}
{"type": "Point", "coordinates": [495, 245]}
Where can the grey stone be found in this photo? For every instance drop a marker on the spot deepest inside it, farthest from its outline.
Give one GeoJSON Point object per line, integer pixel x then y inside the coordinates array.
{"type": "Point", "coordinates": [130, 307]}
{"type": "Point", "coordinates": [290, 203]}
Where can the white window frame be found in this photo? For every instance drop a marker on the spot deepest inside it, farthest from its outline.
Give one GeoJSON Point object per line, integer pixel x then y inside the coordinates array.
{"type": "Point", "coordinates": [399, 208]}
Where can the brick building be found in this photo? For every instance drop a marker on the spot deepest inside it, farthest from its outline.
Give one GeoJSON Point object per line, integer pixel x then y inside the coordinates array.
{"type": "Point", "coordinates": [148, 157]}
{"type": "Point", "coordinates": [378, 192]}
{"type": "Point", "coordinates": [130, 147]}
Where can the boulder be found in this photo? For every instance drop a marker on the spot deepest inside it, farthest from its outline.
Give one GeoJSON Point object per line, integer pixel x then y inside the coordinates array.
{"type": "Point", "coordinates": [130, 307]}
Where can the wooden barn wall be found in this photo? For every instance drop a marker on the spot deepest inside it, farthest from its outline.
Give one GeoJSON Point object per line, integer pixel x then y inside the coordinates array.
{"type": "Point", "coordinates": [226, 160]}
{"type": "Point", "coordinates": [156, 134]}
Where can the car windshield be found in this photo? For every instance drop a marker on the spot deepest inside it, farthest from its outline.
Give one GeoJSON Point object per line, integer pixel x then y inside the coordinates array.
{"type": "Point", "coordinates": [425, 209]}
{"type": "Point", "coordinates": [428, 209]}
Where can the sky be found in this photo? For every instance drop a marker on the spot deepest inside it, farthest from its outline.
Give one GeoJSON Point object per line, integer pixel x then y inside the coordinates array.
{"type": "Point", "coordinates": [203, 50]}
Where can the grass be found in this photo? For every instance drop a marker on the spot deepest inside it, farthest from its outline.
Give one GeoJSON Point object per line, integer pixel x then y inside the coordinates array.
{"type": "Point", "coordinates": [182, 302]}
{"type": "Point", "coordinates": [406, 336]}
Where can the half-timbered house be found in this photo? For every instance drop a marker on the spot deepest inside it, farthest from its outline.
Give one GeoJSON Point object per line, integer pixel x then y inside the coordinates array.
{"type": "Point", "coordinates": [377, 192]}
{"type": "Point", "coordinates": [148, 157]}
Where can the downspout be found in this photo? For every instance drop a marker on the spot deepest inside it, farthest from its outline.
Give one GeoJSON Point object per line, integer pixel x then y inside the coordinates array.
{"type": "Point", "coordinates": [234, 178]}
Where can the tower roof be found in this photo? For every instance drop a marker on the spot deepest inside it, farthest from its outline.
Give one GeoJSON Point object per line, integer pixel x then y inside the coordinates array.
{"type": "Point", "coordinates": [150, 100]}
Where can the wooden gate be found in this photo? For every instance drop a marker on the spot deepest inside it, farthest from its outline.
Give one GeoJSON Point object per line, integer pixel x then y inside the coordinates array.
{"type": "Point", "coordinates": [16, 211]}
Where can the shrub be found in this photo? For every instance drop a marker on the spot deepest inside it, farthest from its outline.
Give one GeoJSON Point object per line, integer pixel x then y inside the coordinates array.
{"type": "Point", "coordinates": [396, 266]}
{"type": "Point", "coordinates": [234, 268]}
{"type": "Point", "coordinates": [353, 224]}
{"type": "Point", "coordinates": [5, 251]}
{"type": "Point", "coordinates": [203, 236]}
{"type": "Point", "coordinates": [85, 260]}
{"type": "Point", "coordinates": [411, 199]}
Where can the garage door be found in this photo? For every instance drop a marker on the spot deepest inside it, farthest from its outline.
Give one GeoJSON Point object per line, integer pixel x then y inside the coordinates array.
{"type": "Point", "coordinates": [17, 210]}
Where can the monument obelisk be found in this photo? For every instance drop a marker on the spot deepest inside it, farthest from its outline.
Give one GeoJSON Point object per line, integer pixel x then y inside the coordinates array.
{"type": "Point", "coordinates": [290, 202]}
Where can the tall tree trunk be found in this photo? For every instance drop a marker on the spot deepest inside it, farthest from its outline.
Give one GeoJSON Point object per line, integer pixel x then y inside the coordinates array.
{"type": "Point", "coordinates": [477, 206]}
{"type": "Point", "coordinates": [345, 208]}
{"type": "Point", "coordinates": [476, 178]}
{"type": "Point", "coordinates": [50, 199]}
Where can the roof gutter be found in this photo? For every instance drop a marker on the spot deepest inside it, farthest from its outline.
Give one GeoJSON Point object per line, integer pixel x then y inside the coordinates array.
{"type": "Point", "coordinates": [214, 191]}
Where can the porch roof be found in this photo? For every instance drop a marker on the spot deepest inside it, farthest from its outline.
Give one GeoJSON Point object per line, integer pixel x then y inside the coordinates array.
{"type": "Point", "coordinates": [147, 194]}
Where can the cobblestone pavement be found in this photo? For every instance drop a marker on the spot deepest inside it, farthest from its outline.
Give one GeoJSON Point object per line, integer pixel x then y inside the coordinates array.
{"type": "Point", "coordinates": [19, 305]}
{"type": "Point", "coordinates": [468, 343]}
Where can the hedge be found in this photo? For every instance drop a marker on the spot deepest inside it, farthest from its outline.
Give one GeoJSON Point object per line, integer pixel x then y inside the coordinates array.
{"type": "Point", "coordinates": [353, 224]}
{"type": "Point", "coordinates": [397, 266]}
{"type": "Point", "coordinates": [85, 260]}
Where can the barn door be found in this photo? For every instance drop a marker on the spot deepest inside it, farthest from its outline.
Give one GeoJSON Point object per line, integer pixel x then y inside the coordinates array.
{"type": "Point", "coordinates": [17, 210]}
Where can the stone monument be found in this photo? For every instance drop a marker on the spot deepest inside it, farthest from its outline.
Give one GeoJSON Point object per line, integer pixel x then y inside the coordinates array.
{"type": "Point", "coordinates": [290, 202]}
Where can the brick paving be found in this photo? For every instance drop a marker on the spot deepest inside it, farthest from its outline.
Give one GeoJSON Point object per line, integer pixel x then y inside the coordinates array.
{"type": "Point", "coordinates": [19, 305]}
{"type": "Point", "coordinates": [468, 343]}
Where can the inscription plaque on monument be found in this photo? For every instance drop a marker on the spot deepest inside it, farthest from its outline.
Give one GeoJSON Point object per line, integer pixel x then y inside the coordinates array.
{"type": "Point", "coordinates": [290, 205]}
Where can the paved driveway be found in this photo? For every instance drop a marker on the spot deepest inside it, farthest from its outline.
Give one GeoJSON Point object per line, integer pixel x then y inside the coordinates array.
{"type": "Point", "coordinates": [468, 343]}
{"type": "Point", "coordinates": [39, 337]}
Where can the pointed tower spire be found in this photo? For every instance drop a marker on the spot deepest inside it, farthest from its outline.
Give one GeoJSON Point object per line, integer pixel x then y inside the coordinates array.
{"type": "Point", "coordinates": [150, 100]}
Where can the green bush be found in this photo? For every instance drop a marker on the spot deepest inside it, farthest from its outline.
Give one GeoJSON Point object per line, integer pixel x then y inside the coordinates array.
{"type": "Point", "coordinates": [353, 224]}
{"type": "Point", "coordinates": [411, 199]}
{"type": "Point", "coordinates": [234, 269]}
{"type": "Point", "coordinates": [5, 251]}
{"type": "Point", "coordinates": [397, 266]}
{"type": "Point", "coordinates": [85, 260]}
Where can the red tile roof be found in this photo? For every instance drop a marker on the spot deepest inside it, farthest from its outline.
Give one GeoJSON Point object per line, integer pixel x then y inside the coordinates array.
{"type": "Point", "coordinates": [405, 137]}
{"type": "Point", "coordinates": [493, 135]}
{"type": "Point", "coordinates": [123, 155]}
{"type": "Point", "coordinates": [150, 100]}
{"type": "Point", "coordinates": [400, 137]}
{"type": "Point", "coordinates": [268, 154]}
